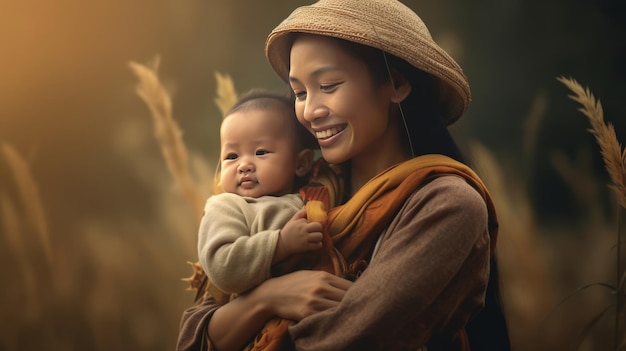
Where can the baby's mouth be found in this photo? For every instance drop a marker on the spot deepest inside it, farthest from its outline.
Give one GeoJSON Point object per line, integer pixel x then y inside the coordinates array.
{"type": "Point", "coordinates": [246, 182]}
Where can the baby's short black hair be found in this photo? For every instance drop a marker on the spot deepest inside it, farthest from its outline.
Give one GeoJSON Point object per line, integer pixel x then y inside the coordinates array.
{"type": "Point", "coordinates": [263, 99]}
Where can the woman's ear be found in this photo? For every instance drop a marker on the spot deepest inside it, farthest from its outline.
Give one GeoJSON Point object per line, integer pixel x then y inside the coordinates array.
{"type": "Point", "coordinates": [304, 162]}
{"type": "Point", "coordinates": [401, 87]}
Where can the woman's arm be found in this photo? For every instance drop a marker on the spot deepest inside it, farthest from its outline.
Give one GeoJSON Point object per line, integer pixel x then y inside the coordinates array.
{"type": "Point", "coordinates": [427, 278]}
{"type": "Point", "coordinates": [230, 327]}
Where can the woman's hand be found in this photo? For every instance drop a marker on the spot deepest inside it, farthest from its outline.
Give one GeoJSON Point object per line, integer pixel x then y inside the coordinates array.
{"type": "Point", "coordinates": [293, 296]}
{"type": "Point", "coordinates": [300, 294]}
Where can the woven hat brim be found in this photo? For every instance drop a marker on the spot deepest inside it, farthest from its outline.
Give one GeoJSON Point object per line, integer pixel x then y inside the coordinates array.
{"type": "Point", "coordinates": [386, 25]}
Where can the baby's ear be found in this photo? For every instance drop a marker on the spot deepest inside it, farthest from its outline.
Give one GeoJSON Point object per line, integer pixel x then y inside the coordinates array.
{"type": "Point", "coordinates": [304, 162]}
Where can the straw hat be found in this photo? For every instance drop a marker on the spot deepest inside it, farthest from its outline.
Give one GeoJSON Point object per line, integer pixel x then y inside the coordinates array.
{"type": "Point", "coordinates": [383, 24]}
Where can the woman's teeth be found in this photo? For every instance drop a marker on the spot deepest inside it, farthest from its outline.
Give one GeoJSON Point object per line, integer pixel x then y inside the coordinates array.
{"type": "Point", "coordinates": [325, 134]}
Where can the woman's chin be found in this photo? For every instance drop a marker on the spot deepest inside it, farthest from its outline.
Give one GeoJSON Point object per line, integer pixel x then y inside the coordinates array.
{"type": "Point", "coordinates": [334, 157]}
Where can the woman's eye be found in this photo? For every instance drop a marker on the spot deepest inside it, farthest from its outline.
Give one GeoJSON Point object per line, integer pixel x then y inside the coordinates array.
{"type": "Point", "coordinates": [328, 87]}
{"type": "Point", "coordinates": [230, 156]}
{"type": "Point", "coordinates": [262, 152]}
{"type": "Point", "coordinates": [299, 95]}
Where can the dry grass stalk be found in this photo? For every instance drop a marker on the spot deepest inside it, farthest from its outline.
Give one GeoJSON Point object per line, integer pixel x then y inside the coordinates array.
{"type": "Point", "coordinates": [613, 154]}
{"type": "Point", "coordinates": [580, 180]}
{"type": "Point", "coordinates": [226, 98]}
{"type": "Point", "coordinates": [29, 194]}
{"type": "Point", "coordinates": [527, 284]}
{"type": "Point", "coordinates": [532, 125]}
{"type": "Point", "coordinates": [12, 227]}
{"type": "Point", "coordinates": [226, 94]}
{"type": "Point", "coordinates": [614, 157]}
{"type": "Point", "coordinates": [204, 173]}
{"type": "Point", "coordinates": [167, 133]}
{"type": "Point", "coordinates": [13, 232]}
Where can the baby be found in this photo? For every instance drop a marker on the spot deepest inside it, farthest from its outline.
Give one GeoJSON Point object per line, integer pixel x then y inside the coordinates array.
{"type": "Point", "coordinates": [258, 220]}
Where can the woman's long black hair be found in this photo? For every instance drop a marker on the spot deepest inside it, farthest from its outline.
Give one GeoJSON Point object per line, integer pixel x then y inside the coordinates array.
{"type": "Point", "coordinates": [427, 134]}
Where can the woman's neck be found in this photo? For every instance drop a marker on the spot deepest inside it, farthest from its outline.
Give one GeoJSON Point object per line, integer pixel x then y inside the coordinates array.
{"type": "Point", "coordinates": [381, 154]}
{"type": "Point", "coordinates": [361, 171]}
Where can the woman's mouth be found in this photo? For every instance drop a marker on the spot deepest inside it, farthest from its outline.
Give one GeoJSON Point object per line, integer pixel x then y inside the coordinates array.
{"type": "Point", "coordinates": [325, 134]}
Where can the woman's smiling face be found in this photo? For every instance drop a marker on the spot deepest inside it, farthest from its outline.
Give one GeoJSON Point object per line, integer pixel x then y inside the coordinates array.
{"type": "Point", "coordinates": [337, 100]}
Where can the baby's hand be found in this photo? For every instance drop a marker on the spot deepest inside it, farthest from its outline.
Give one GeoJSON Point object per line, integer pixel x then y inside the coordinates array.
{"type": "Point", "coordinates": [300, 235]}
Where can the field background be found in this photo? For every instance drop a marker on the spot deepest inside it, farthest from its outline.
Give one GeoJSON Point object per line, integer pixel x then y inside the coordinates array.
{"type": "Point", "coordinates": [95, 233]}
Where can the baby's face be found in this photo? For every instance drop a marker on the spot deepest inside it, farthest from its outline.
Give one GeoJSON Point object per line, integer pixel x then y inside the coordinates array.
{"type": "Point", "coordinates": [258, 153]}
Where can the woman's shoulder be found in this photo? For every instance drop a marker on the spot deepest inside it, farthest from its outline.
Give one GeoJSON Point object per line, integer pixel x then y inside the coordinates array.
{"type": "Point", "coordinates": [450, 191]}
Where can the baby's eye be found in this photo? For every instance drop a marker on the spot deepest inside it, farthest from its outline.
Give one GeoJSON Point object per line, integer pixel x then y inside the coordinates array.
{"type": "Point", "coordinates": [231, 156]}
{"type": "Point", "coordinates": [262, 152]}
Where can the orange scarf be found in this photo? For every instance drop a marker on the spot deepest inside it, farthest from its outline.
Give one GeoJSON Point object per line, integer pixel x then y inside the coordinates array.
{"type": "Point", "coordinates": [353, 228]}
{"type": "Point", "coordinates": [360, 221]}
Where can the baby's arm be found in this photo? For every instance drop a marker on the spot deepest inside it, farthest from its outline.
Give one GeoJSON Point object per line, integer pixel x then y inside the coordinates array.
{"type": "Point", "coordinates": [301, 234]}
{"type": "Point", "coordinates": [234, 260]}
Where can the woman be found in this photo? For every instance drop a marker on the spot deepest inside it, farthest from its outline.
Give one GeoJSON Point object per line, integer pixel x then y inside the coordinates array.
{"type": "Point", "coordinates": [415, 226]}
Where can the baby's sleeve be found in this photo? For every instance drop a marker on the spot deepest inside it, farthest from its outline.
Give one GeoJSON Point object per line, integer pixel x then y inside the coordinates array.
{"type": "Point", "coordinates": [234, 260]}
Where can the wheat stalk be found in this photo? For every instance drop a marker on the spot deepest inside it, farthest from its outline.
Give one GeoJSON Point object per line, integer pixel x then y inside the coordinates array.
{"type": "Point", "coordinates": [226, 94]}
{"type": "Point", "coordinates": [12, 227]}
{"type": "Point", "coordinates": [167, 132]}
{"type": "Point", "coordinates": [532, 125]}
{"type": "Point", "coordinates": [13, 230]}
{"type": "Point", "coordinates": [614, 157]}
{"type": "Point", "coordinates": [613, 154]}
{"type": "Point", "coordinates": [527, 289]}
{"type": "Point", "coordinates": [225, 99]}
{"type": "Point", "coordinates": [29, 194]}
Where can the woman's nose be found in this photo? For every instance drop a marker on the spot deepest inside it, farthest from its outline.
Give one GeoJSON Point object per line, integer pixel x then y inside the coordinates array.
{"type": "Point", "coordinates": [314, 109]}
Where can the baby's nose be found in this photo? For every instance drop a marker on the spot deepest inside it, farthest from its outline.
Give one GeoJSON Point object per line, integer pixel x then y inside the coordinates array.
{"type": "Point", "coordinates": [246, 167]}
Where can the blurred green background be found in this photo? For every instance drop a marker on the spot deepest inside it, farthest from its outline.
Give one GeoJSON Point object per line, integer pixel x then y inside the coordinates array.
{"type": "Point", "coordinates": [121, 233]}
